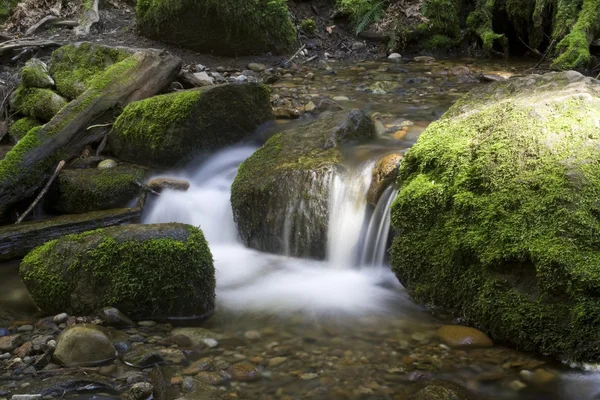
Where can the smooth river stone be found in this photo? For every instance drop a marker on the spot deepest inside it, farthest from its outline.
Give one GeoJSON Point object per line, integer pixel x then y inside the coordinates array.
{"type": "Point", "coordinates": [83, 345]}
{"type": "Point", "coordinates": [463, 337]}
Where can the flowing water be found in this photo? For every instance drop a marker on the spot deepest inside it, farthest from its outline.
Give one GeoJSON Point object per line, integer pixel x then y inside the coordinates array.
{"type": "Point", "coordinates": [345, 327]}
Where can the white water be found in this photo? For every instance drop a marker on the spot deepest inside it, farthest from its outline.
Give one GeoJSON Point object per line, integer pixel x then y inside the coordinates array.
{"type": "Point", "coordinates": [249, 280]}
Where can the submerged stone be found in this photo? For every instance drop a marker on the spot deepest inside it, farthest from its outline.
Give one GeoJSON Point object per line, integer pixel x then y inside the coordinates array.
{"type": "Point", "coordinates": [146, 271]}
{"type": "Point", "coordinates": [463, 337]}
{"type": "Point", "coordinates": [497, 214]}
{"type": "Point", "coordinates": [280, 196]}
{"type": "Point", "coordinates": [83, 345]}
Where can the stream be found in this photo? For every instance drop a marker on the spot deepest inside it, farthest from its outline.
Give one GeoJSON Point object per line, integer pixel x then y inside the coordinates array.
{"type": "Point", "coordinates": [342, 328]}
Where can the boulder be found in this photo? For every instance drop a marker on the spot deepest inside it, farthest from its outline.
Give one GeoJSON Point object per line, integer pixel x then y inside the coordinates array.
{"type": "Point", "coordinates": [227, 28]}
{"type": "Point", "coordinates": [20, 127]}
{"type": "Point", "coordinates": [83, 345]}
{"type": "Point", "coordinates": [280, 196]}
{"type": "Point", "coordinates": [41, 104]}
{"type": "Point", "coordinates": [75, 65]}
{"type": "Point", "coordinates": [497, 214]}
{"type": "Point", "coordinates": [169, 130]}
{"type": "Point", "coordinates": [146, 271]}
{"type": "Point", "coordinates": [35, 75]}
{"type": "Point", "coordinates": [384, 174]}
{"type": "Point", "coordinates": [77, 191]}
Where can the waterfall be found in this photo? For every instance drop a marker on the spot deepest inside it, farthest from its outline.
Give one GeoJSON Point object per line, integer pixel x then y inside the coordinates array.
{"type": "Point", "coordinates": [250, 280]}
{"type": "Point", "coordinates": [378, 230]}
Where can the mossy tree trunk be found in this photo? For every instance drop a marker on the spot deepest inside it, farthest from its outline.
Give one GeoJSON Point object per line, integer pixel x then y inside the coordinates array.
{"type": "Point", "coordinates": [29, 164]}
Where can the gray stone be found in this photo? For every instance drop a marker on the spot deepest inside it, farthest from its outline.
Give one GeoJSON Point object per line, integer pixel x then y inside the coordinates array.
{"type": "Point", "coordinates": [257, 67]}
{"type": "Point", "coordinates": [204, 78]}
{"type": "Point", "coordinates": [241, 78]}
{"type": "Point", "coordinates": [358, 46]}
{"type": "Point", "coordinates": [60, 318]}
{"type": "Point", "coordinates": [25, 328]}
{"type": "Point", "coordinates": [107, 164]}
{"type": "Point", "coordinates": [115, 318]}
{"type": "Point", "coordinates": [140, 391]}
{"type": "Point", "coordinates": [26, 397]}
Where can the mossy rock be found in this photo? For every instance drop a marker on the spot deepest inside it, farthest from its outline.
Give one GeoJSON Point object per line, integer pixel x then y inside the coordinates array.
{"type": "Point", "coordinates": [228, 28]}
{"type": "Point", "coordinates": [74, 66]}
{"type": "Point", "coordinates": [77, 191]}
{"type": "Point", "coordinates": [280, 196]}
{"type": "Point", "coordinates": [169, 130]}
{"type": "Point", "coordinates": [497, 217]}
{"type": "Point", "coordinates": [21, 127]}
{"type": "Point", "coordinates": [35, 75]}
{"type": "Point", "coordinates": [155, 272]}
{"type": "Point", "coordinates": [41, 104]}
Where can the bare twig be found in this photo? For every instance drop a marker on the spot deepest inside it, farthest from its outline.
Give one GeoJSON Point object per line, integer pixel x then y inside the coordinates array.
{"type": "Point", "coordinates": [548, 50]}
{"type": "Point", "coordinates": [60, 166]}
{"type": "Point", "coordinates": [98, 126]}
{"type": "Point", "coordinates": [33, 29]}
{"type": "Point", "coordinates": [534, 51]}
{"type": "Point", "coordinates": [102, 144]}
{"type": "Point", "coordinates": [309, 59]}
{"type": "Point", "coordinates": [295, 55]}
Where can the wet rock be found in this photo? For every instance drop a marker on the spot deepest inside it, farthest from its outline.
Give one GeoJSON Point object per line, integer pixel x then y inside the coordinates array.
{"type": "Point", "coordinates": [25, 328]}
{"type": "Point", "coordinates": [442, 390]}
{"type": "Point", "coordinates": [140, 391]}
{"type": "Point", "coordinates": [293, 167]}
{"type": "Point", "coordinates": [204, 78]}
{"type": "Point", "coordinates": [308, 376]}
{"type": "Point", "coordinates": [384, 174]}
{"type": "Point", "coordinates": [26, 397]}
{"type": "Point", "coordinates": [9, 343]}
{"type": "Point", "coordinates": [244, 372]}
{"type": "Point", "coordinates": [143, 357]}
{"type": "Point", "coordinates": [252, 335]}
{"type": "Point", "coordinates": [188, 385]}
{"type": "Point", "coordinates": [160, 184]}
{"type": "Point", "coordinates": [286, 113]}
{"type": "Point", "coordinates": [24, 350]}
{"type": "Point", "coordinates": [517, 385]}
{"type": "Point", "coordinates": [191, 123]}
{"type": "Point", "coordinates": [83, 345]}
{"type": "Point", "coordinates": [180, 340]}
{"type": "Point", "coordinates": [491, 78]}
{"type": "Point", "coordinates": [396, 57]}
{"type": "Point", "coordinates": [118, 266]}
{"type": "Point", "coordinates": [60, 318]}
{"type": "Point", "coordinates": [132, 377]}
{"type": "Point", "coordinates": [115, 318]}
{"type": "Point", "coordinates": [463, 337]}
{"type": "Point", "coordinates": [147, 324]}
{"type": "Point", "coordinates": [341, 98]}
{"type": "Point", "coordinates": [203, 364]}
{"type": "Point", "coordinates": [107, 164]}
{"type": "Point", "coordinates": [357, 46]}
{"type": "Point", "coordinates": [256, 67]}
{"type": "Point", "coordinates": [40, 104]}
{"type": "Point", "coordinates": [310, 107]}
{"type": "Point", "coordinates": [173, 356]}
{"type": "Point", "coordinates": [35, 75]}
{"type": "Point", "coordinates": [460, 70]}
{"type": "Point", "coordinates": [329, 105]}
{"type": "Point", "coordinates": [424, 59]}
{"type": "Point", "coordinates": [276, 361]}
{"type": "Point", "coordinates": [198, 336]}
{"type": "Point", "coordinates": [213, 378]}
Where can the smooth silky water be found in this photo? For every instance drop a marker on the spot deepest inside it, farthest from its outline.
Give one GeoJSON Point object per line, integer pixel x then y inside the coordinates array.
{"type": "Point", "coordinates": [346, 319]}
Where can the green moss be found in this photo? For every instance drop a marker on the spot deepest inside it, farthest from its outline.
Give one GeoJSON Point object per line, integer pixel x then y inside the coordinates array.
{"type": "Point", "coordinates": [6, 8]}
{"type": "Point", "coordinates": [443, 26]}
{"type": "Point", "coordinates": [308, 26]}
{"type": "Point", "coordinates": [480, 21]}
{"type": "Point", "coordinates": [21, 127]}
{"type": "Point", "coordinates": [171, 129]}
{"type": "Point", "coordinates": [574, 47]}
{"type": "Point", "coordinates": [33, 75]}
{"type": "Point", "coordinates": [439, 42]}
{"type": "Point", "coordinates": [74, 66]}
{"type": "Point", "coordinates": [497, 216]}
{"type": "Point", "coordinates": [227, 27]}
{"type": "Point", "coordinates": [155, 271]}
{"type": "Point", "coordinates": [85, 190]}
{"type": "Point", "coordinates": [42, 104]}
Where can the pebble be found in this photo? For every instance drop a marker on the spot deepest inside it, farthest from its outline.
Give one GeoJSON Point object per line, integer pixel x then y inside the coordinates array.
{"type": "Point", "coordinates": [4, 356]}
{"type": "Point", "coordinates": [212, 343]}
{"type": "Point", "coordinates": [188, 385]}
{"type": "Point", "coordinates": [244, 372]}
{"type": "Point", "coordinates": [26, 397]}
{"type": "Point", "coordinates": [241, 78]}
{"type": "Point", "coordinates": [252, 335]}
{"type": "Point", "coordinates": [358, 46]}
{"type": "Point", "coordinates": [107, 164]}
{"type": "Point", "coordinates": [463, 337]}
{"type": "Point", "coordinates": [25, 328]}
{"type": "Point", "coordinates": [177, 380]}
{"type": "Point", "coordinates": [147, 324]}
{"type": "Point", "coordinates": [517, 385]}
{"type": "Point", "coordinates": [257, 67]}
{"type": "Point", "coordinates": [136, 338]}
{"type": "Point", "coordinates": [424, 59]}
{"type": "Point", "coordinates": [62, 317]}
{"type": "Point", "coordinates": [9, 343]}
{"type": "Point", "coordinates": [341, 98]}
{"type": "Point", "coordinates": [140, 391]}
{"type": "Point", "coordinates": [212, 378]}
{"type": "Point", "coordinates": [277, 361]}
{"type": "Point", "coordinates": [114, 317]}
{"type": "Point", "coordinates": [395, 56]}
{"type": "Point", "coordinates": [309, 376]}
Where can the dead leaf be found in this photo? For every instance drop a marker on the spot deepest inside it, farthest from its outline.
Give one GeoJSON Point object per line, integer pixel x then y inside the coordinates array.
{"type": "Point", "coordinates": [330, 28]}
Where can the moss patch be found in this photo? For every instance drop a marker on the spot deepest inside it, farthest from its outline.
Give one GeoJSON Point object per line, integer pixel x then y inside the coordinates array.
{"type": "Point", "coordinates": [228, 27]}
{"type": "Point", "coordinates": [41, 104]}
{"type": "Point", "coordinates": [146, 271]}
{"type": "Point", "coordinates": [21, 127]}
{"type": "Point", "coordinates": [74, 66]}
{"type": "Point", "coordinates": [84, 190]}
{"type": "Point", "coordinates": [497, 216]}
{"type": "Point", "coordinates": [169, 130]}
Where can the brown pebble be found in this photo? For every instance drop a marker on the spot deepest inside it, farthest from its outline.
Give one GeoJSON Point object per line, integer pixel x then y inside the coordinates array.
{"type": "Point", "coordinates": [24, 350]}
{"type": "Point", "coordinates": [177, 380]}
{"type": "Point", "coordinates": [463, 337]}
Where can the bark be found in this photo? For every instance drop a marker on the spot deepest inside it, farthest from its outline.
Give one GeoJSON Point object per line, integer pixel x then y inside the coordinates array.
{"type": "Point", "coordinates": [34, 158]}
{"type": "Point", "coordinates": [18, 240]}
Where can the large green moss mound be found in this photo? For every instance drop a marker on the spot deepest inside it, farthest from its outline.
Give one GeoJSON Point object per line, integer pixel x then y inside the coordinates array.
{"type": "Point", "coordinates": [74, 66]}
{"type": "Point", "coordinates": [169, 130]}
{"type": "Point", "coordinates": [226, 27]}
{"type": "Point", "coordinates": [280, 196]}
{"type": "Point", "coordinates": [498, 216]}
{"type": "Point", "coordinates": [146, 271]}
{"type": "Point", "coordinates": [77, 191]}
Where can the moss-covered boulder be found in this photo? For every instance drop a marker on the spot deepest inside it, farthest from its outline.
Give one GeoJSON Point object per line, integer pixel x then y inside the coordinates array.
{"type": "Point", "coordinates": [35, 75]}
{"type": "Point", "coordinates": [146, 271]}
{"type": "Point", "coordinates": [498, 215]}
{"type": "Point", "coordinates": [280, 196]}
{"type": "Point", "coordinates": [77, 191]}
{"type": "Point", "coordinates": [20, 127]}
{"type": "Point", "coordinates": [229, 27]}
{"type": "Point", "coordinates": [41, 104]}
{"type": "Point", "coordinates": [168, 130]}
{"type": "Point", "coordinates": [75, 65]}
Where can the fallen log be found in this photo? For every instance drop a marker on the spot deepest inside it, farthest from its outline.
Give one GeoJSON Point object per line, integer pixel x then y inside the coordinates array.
{"type": "Point", "coordinates": [18, 44]}
{"type": "Point", "coordinates": [31, 162]}
{"type": "Point", "coordinates": [18, 240]}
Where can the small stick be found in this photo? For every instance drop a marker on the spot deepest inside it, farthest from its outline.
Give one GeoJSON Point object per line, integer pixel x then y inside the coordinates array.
{"type": "Point", "coordinates": [60, 166]}
{"type": "Point", "coordinates": [33, 29]}
{"type": "Point", "coordinates": [545, 54]}
{"type": "Point", "coordinates": [309, 59]}
{"type": "Point", "coordinates": [98, 126]}
{"type": "Point", "coordinates": [295, 55]}
{"type": "Point", "coordinates": [102, 144]}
